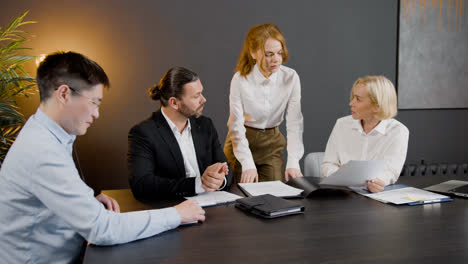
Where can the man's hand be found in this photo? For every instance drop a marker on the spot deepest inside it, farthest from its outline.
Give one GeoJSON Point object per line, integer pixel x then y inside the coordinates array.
{"type": "Point", "coordinates": [108, 202]}
{"type": "Point", "coordinates": [250, 175]}
{"type": "Point", "coordinates": [375, 185]}
{"type": "Point", "coordinates": [190, 211]}
{"type": "Point", "coordinates": [293, 173]}
{"type": "Point", "coordinates": [213, 177]}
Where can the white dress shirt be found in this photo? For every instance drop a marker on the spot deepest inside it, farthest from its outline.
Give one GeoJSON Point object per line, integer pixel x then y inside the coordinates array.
{"type": "Point", "coordinates": [47, 211]}
{"type": "Point", "coordinates": [387, 141]}
{"type": "Point", "coordinates": [187, 148]}
{"type": "Point", "coordinates": [260, 102]}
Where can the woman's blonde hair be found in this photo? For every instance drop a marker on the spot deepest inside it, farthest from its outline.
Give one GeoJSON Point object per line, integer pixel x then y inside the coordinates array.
{"type": "Point", "coordinates": [382, 93]}
{"type": "Point", "coordinates": [255, 40]}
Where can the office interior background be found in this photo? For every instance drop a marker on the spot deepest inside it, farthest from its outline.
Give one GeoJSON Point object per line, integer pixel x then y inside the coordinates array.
{"type": "Point", "coordinates": [331, 44]}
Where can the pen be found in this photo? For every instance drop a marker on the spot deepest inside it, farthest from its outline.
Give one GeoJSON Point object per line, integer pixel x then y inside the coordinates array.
{"type": "Point", "coordinates": [432, 201]}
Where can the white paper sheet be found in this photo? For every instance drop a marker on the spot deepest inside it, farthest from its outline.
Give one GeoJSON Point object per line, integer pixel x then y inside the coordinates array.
{"type": "Point", "coordinates": [214, 198]}
{"type": "Point", "coordinates": [276, 188]}
{"type": "Point", "coordinates": [355, 173]}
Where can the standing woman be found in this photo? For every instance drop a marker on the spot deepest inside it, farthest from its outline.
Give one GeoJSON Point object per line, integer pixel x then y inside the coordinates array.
{"type": "Point", "coordinates": [262, 91]}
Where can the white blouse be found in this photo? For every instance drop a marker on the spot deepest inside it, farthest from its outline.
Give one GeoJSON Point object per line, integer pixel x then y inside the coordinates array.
{"type": "Point", "coordinates": [387, 141]}
{"type": "Point", "coordinates": [261, 102]}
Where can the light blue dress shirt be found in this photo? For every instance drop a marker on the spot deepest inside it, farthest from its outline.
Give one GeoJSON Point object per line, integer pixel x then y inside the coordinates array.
{"type": "Point", "coordinates": [47, 211]}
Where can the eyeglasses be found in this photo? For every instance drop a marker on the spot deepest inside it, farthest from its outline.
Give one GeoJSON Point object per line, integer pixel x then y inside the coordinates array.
{"type": "Point", "coordinates": [96, 104]}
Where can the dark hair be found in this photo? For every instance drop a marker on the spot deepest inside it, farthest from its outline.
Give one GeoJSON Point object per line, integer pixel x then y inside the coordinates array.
{"type": "Point", "coordinates": [172, 84]}
{"type": "Point", "coordinates": [68, 68]}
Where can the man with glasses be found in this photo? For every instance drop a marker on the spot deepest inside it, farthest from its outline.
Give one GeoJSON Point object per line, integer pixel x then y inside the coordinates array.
{"type": "Point", "coordinates": [47, 211]}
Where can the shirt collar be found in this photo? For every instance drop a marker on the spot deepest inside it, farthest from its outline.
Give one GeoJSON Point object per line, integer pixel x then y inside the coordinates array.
{"type": "Point", "coordinates": [260, 78]}
{"type": "Point", "coordinates": [173, 126]}
{"type": "Point", "coordinates": [381, 127]}
{"type": "Point", "coordinates": [62, 136]}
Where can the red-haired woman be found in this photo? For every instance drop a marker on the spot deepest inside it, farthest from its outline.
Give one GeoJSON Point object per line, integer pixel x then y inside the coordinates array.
{"type": "Point", "coordinates": [262, 92]}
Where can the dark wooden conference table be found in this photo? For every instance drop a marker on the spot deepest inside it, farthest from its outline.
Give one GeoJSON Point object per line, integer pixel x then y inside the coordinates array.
{"type": "Point", "coordinates": [337, 227]}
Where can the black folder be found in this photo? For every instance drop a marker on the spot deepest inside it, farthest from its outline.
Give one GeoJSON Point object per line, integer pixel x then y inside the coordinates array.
{"type": "Point", "coordinates": [269, 206]}
{"type": "Point", "coordinates": [312, 184]}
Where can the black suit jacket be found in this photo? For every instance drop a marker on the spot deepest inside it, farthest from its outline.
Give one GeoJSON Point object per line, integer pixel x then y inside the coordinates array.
{"type": "Point", "coordinates": [155, 161]}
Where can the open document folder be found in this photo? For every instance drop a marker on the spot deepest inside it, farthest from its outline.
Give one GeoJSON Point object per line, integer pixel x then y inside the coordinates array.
{"type": "Point", "coordinates": [401, 194]}
{"type": "Point", "coordinates": [355, 173]}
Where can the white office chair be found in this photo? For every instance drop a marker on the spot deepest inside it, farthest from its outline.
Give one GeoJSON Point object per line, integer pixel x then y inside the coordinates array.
{"type": "Point", "coordinates": [312, 164]}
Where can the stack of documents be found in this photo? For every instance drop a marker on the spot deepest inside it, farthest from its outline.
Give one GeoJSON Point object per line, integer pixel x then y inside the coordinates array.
{"type": "Point", "coordinates": [276, 188]}
{"type": "Point", "coordinates": [207, 199]}
{"type": "Point", "coordinates": [402, 194]}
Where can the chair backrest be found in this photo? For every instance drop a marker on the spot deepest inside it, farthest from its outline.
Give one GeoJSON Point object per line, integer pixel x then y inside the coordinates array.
{"type": "Point", "coordinates": [312, 164]}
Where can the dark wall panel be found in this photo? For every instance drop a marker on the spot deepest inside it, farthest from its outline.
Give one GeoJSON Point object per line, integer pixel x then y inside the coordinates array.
{"type": "Point", "coordinates": [433, 55]}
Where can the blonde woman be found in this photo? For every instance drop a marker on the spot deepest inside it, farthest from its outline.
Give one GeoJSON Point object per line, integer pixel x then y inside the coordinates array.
{"type": "Point", "coordinates": [370, 132]}
{"type": "Point", "coordinates": [262, 92]}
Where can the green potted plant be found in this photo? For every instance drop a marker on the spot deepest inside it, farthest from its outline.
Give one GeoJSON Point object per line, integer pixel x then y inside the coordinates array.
{"type": "Point", "coordinates": [14, 80]}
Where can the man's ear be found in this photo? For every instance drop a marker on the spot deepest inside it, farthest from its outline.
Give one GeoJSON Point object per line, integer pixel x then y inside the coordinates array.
{"type": "Point", "coordinates": [173, 103]}
{"type": "Point", "coordinates": [62, 93]}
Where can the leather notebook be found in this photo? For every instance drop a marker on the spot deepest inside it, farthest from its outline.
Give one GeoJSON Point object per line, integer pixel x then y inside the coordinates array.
{"type": "Point", "coordinates": [269, 206]}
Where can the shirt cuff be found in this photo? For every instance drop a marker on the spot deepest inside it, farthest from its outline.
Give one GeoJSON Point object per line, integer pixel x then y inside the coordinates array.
{"type": "Point", "coordinates": [248, 165]}
{"type": "Point", "coordinates": [169, 215]}
{"type": "Point", "coordinates": [292, 164]}
{"type": "Point", "coordinates": [224, 184]}
{"type": "Point", "coordinates": [388, 178]}
{"type": "Point", "coordinates": [198, 186]}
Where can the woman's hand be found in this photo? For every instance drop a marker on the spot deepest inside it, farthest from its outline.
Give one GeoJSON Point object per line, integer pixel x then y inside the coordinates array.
{"type": "Point", "coordinates": [250, 175]}
{"type": "Point", "coordinates": [293, 173]}
{"type": "Point", "coordinates": [375, 185]}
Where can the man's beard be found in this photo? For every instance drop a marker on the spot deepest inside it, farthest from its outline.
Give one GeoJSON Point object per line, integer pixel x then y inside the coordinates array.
{"type": "Point", "coordinates": [189, 113]}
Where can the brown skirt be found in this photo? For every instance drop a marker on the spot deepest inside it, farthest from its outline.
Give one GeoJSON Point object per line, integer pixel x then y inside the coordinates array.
{"type": "Point", "coordinates": [266, 146]}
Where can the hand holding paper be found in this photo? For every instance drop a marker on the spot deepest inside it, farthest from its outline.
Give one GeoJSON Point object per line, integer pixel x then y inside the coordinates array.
{"type": "Point", "coordinates": [376, 185]}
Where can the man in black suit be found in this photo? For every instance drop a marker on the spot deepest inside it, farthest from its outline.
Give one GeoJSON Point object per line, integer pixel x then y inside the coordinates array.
{"type": "Point", "coordinates": [176, 152]}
